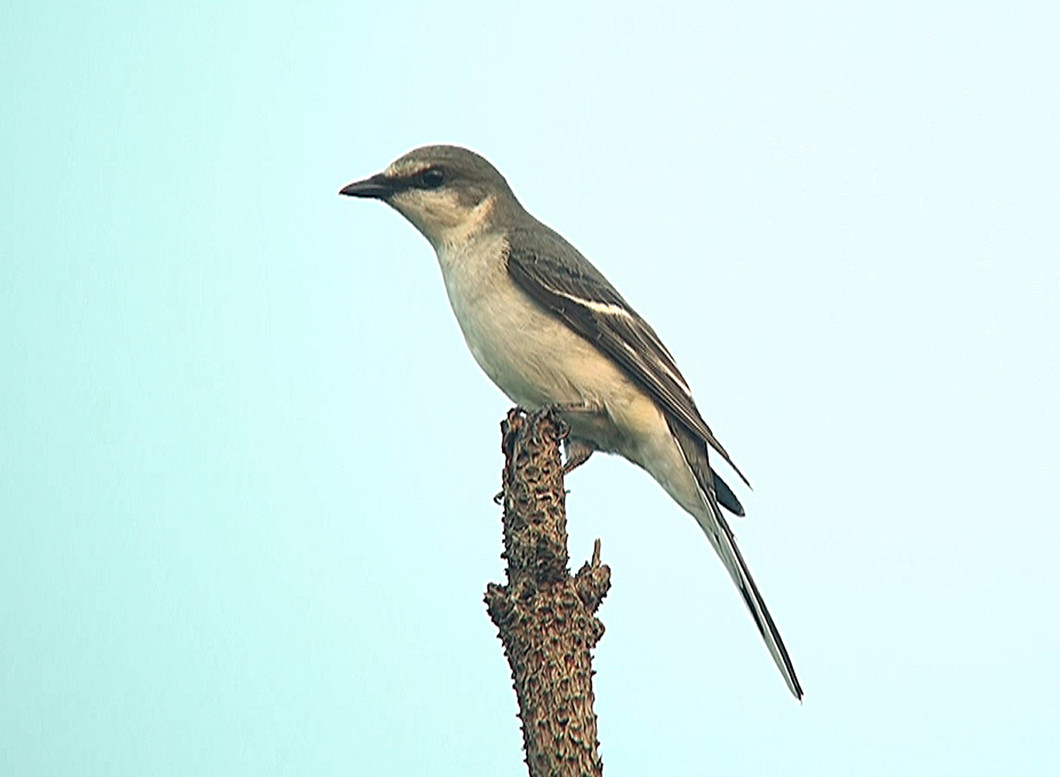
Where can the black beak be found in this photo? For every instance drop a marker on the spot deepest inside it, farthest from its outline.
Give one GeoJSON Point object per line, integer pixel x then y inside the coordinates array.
{"type": "Point", "coordinates": [378, 187]}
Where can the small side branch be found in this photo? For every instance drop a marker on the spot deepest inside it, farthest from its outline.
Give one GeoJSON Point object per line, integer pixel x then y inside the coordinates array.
{"type": "Point", "coordinates": [546, 617]}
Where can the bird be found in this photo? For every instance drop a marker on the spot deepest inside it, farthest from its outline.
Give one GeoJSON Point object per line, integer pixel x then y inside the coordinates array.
{"type": "Point", "coordinates": [552, 332]}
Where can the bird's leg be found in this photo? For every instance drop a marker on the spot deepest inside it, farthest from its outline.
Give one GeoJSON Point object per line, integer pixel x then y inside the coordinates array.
{"type": "Point", "coordinates": [578, 452]}
{"type": "Point", "coordinates": [573, 408]}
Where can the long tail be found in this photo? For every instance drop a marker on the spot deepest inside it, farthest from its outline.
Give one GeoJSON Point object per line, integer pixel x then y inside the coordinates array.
{"type": "Point", "coordinates": [721, 537]}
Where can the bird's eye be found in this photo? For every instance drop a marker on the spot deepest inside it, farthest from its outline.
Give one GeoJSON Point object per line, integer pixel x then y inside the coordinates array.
{"type": "Point", "coordinates": [432, 179]}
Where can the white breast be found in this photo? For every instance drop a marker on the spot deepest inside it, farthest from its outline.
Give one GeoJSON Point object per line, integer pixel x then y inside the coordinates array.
{"type": "Point", "coordinates": [516, 343]}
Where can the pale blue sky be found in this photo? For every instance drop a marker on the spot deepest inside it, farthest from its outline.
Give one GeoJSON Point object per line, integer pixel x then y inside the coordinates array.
{"type": "Point", "coordinates": [246, 463]}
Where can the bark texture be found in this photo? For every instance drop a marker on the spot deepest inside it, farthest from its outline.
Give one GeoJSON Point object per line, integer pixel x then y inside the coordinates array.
{"type": "Point", "coordinates": [544, 615]}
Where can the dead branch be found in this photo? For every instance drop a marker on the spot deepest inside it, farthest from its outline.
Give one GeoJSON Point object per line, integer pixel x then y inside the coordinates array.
{"type": "Point", "coordinates": [545, 617]}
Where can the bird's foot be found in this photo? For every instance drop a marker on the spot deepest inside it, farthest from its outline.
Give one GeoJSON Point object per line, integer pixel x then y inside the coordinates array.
{"type": "Point", "coordinates": [555, 412]}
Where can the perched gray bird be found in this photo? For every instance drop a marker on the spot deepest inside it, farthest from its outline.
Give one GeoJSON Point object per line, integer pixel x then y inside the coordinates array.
{"type": "Point", "coordinates": [549, 330]}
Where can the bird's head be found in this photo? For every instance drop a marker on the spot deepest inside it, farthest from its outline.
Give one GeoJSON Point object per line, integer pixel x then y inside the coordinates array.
{"type": "Point", "coordinates": [447, 192]}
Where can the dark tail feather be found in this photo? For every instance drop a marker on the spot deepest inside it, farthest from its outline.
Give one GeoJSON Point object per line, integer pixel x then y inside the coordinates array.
{"type": "Point", "coordinates": [724, 542]}
{"type": "Point", "coordinates": [726, 498]}
{"type": "Point", "coordinates": [757, 606]}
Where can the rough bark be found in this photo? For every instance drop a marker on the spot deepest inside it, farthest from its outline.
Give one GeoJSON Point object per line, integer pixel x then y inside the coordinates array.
{"type": "Point", "coordinates": [544, 615]}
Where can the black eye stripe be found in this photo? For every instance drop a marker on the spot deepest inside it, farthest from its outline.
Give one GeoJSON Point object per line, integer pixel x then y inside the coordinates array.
{"type": "Point", "coordinates": [430, 179]}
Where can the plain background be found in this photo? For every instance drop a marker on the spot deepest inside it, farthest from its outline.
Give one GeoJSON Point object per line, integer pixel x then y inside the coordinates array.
{"type": "Point", "coordinates": [246, 462]}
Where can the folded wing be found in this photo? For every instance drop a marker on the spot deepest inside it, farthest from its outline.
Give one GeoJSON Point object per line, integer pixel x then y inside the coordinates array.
{"type": "Point", "coordinates": [564, 282]}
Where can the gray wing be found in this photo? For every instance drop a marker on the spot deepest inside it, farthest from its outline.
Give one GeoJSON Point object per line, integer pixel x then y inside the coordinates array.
{"type": "Point", "coordinates": [553, 273]}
